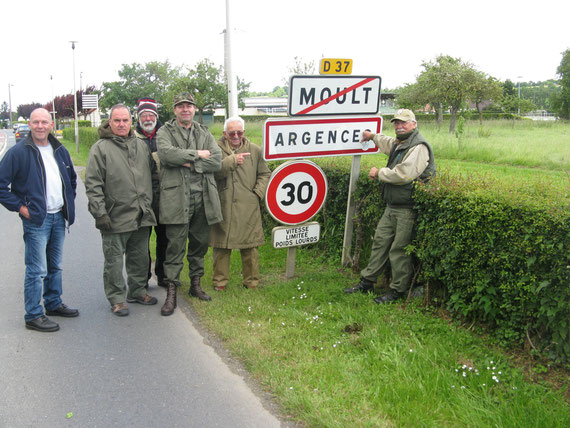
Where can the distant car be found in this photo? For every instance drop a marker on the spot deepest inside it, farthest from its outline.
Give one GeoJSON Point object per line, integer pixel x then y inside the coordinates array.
{"type": "Point", "coordinates": [22, 132]}
{"type": "Point", "coordinates": [15, 126]}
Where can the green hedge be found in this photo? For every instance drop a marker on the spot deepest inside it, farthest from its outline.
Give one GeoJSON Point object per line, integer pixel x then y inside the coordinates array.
{"type": "Point", "coordinates": [87, 136]}
{"type": "Point", "coordinates": [496, 256]}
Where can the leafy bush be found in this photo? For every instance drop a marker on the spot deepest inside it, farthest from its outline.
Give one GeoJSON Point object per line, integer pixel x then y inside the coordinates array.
{"type": "Point", "coordinates": [87, 136]}
{"type": "Point", "coordinates": [498, 253]}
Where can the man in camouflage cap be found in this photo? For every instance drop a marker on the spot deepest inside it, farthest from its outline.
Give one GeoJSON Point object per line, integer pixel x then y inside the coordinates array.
{"type": "Point", "coordinates": [410, 158]}
{"type": "Point", "coordinates": [189, 202]}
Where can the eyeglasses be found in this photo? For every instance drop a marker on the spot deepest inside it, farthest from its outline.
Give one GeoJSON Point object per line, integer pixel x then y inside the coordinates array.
{"type": "Point", "coordinates": [232, 134]}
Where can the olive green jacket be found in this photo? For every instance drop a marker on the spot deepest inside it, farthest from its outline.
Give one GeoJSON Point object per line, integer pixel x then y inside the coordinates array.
{"type": "Point", "coordinates": [120, 180]}
{"type": "Point", "coordinates": [174, 151]}
{"type": "Point", "coordinates": [241, 189]}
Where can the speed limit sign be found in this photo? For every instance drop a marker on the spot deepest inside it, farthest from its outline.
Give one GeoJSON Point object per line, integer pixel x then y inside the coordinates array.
{"type": "Point", "coordinates": [296, 192]}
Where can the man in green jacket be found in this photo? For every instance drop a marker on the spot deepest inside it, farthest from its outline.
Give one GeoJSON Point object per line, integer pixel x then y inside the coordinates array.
{"type": "Point", "coordinates": [410, 159]}
{"type": "Point", "coordinates": [120, 182]}
{"type": "Point", "coordinates": [189, 201]}
{"type": "Point", "coordinates": [241, 185]}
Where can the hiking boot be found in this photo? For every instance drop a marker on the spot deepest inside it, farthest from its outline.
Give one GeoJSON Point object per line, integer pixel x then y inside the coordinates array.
{"type": "Point", "coordinates": [162, 283]}
{"type": "Point", "coordinates": [170, 302]}
{"type": "Point", "coordinates": [144, 300]}
{"type": "Point", "coordinates": [120, 309]}
{"type": "Point", "coordinates": [389, 297]}
{"type": "Point", "coordinates": [196, 290]}
{"type": "Point", "coordinates": [364, 286]}
{"type": "Point", "coordinates": [63, 311]}
{"type": "Point", "coordinates": [43, 324]}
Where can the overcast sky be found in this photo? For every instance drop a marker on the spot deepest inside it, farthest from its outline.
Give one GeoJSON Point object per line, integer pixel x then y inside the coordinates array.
{"type": "Point", "coordinates": [503, 38]}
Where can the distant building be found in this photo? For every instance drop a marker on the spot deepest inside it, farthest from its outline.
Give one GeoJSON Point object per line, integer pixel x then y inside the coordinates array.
{"type": "Point", "coordinates": [277, 106]}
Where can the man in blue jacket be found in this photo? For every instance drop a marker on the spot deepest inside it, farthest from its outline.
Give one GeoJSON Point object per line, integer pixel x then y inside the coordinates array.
{"type": "Point", "coordinates": [37, 180]}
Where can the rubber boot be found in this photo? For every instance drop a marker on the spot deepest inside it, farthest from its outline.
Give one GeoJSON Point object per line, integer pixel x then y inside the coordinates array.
{"type": "Point", "coordinates": [196, 290]}
{"type": "Point", "coordinates": [170, 302]}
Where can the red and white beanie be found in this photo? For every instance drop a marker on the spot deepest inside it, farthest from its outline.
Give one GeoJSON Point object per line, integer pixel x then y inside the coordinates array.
{"type": "Point", "coordinates": [147, 104]}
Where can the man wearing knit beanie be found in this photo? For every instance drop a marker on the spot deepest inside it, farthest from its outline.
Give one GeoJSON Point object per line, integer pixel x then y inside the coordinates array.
{"type": "Point", "coordinates": [147, 126]}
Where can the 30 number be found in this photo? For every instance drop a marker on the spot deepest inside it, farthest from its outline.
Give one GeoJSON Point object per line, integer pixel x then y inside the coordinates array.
{"type": "Point", "coordinates": [303, 199]}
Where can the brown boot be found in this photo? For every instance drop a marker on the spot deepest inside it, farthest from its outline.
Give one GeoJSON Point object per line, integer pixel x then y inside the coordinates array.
{"type": "Point", "coordinates": [196, 290]}
{"type": "Point", "coordinates": [170, 302]}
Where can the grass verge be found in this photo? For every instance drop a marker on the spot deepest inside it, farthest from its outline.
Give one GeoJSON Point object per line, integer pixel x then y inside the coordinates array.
{"type": "Point", "coordinates": [340, 360]}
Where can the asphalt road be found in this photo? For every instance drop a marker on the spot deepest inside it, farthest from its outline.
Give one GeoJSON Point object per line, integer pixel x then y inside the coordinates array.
{"type": "Point", "coordinates": [99, 370]}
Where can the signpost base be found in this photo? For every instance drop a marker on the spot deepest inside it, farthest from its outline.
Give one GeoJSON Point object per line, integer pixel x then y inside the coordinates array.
{"type": "Point", "coordinates": [291, 255]}
{"type": "Point", "coordinates": [349, 221]}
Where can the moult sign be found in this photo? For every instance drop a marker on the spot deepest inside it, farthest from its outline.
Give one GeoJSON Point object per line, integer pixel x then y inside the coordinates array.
{"type": "Point", "coordinates": [334, 95]}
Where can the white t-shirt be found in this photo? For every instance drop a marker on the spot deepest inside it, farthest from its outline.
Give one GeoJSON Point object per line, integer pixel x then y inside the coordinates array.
{"type": "Point", "coordinates": [54, 188]}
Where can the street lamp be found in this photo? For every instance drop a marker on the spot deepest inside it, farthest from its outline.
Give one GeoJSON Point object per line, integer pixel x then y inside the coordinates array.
{"type": "Point", "coordinates": [10, 106]}
{"type": "Point", "coordinates": [53, 103]}
{"type": "Point", "coordinates": [73, 42]}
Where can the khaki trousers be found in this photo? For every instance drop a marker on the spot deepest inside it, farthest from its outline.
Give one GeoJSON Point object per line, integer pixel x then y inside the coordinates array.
{"type": "Point", "coordinates": [394, 232]}
{"type": "Point", "coordinates": [196, 234]}
{"type": "Point", "coordinates": [133, 246]}
{"type": "Point", "coordinates": [249, 266]}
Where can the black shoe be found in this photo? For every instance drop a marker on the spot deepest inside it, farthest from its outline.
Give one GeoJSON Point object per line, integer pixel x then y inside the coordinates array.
{"type": "Point", "coordinates": [42, 324]}
{"type": "Point", "coordinates": [63, 311]}
{"type": "Point", "coordinates": [147, 299]}
{"type": "Point", "coordinates": [389, 297]}
{"type": "Point", "coordinates": [364, 286]}
{"type": "Point", "coordinates": [162, 283]}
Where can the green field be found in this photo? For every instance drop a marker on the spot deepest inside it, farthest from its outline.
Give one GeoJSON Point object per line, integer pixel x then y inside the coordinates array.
{"type": "Point", "coordinates": [336, 360]}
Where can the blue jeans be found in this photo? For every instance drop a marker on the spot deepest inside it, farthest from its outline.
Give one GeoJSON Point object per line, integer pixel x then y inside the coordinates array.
{"type": "Point", "coordinates": [44, 251]}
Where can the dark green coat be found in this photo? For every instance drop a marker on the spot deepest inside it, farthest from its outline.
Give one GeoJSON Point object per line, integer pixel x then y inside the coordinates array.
{"type": "Point", "coordinates": [174, 151]}
{"type": "Point", "coordinates": [119, 181]}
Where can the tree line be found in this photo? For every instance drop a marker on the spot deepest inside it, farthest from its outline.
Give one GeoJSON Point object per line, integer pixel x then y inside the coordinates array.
{"type": "Point", "coordinates": [445, 84]}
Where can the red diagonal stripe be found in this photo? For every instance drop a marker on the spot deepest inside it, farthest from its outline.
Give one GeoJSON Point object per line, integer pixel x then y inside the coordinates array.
{"type": "Point", "coordinates": [335, 96]}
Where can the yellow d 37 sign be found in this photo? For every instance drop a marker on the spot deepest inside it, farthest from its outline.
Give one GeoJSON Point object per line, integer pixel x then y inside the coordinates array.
{"type": "Point", "coordinates": [336, 66]}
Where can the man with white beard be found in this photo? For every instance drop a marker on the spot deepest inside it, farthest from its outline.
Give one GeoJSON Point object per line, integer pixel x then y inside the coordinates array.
{"type": "Point", "coordinates": [147, 126]}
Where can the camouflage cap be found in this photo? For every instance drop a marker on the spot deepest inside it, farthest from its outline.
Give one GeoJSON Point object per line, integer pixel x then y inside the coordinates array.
{"type": "Point", "coordinates": [404, 115]}
{"type": "Point", "coordinates": [184, 97]}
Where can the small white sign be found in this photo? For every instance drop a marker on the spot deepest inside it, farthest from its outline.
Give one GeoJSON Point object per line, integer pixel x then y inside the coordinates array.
{"type": "Point", "coordinates": [293, 236]}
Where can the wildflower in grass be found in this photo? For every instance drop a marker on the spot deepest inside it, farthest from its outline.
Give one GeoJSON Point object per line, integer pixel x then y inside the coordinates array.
{"type": "Point", "coordinates": [411, 350]}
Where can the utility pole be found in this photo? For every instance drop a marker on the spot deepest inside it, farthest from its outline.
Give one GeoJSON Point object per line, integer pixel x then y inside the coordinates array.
{"type": "Point", "coordinates": [232, 86]}
{"type": "Point", "coordinates": [73, 42]}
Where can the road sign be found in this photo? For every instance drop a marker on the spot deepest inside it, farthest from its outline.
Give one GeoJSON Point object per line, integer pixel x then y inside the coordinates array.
{"type": "Point", "coordinates": [296, 192]}
{"type": "Point", "coordinates": [293, 236]}
{"type": "Point", "coordinates": [292, 138]}
{"type": "Point", "coordinates": [89, 101]}
{"type": "Point", "coordinates": [336, 66]}
{"type": "Point", "coordinates": [333, 95]}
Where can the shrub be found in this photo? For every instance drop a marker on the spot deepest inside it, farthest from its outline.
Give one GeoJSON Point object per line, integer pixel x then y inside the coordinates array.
{"type": "Point", "coordinates": [87, 136]}
{"type": "Point", "coordinates": [497, 252]}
